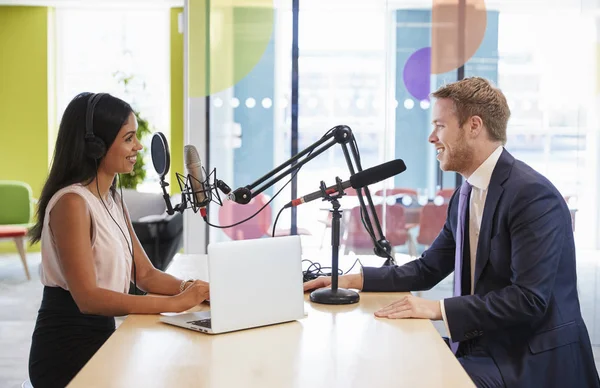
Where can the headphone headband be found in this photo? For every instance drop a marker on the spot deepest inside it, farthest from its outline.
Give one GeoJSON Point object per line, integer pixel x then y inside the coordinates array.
{"type": "Point", "coordinates": [89, 117]}
{"type": "Point", "coordinates": [95, 146]}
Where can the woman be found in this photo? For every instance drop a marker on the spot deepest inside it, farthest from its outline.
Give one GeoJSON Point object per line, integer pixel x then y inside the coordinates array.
{"type": "Point", "coordinates": [90, 252]}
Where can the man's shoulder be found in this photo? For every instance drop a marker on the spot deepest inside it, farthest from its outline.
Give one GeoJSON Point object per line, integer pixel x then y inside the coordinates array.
{"type": "Point", "coordinates": [527, 184]}
{"type": "Point", "coordinates": [524, 176]}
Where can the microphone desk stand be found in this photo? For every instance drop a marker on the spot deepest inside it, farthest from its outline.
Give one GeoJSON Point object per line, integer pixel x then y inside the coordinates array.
{"type": "Point", "coordinates": [334, 295]}
{"type": "Point", "coordinates": [343, 136]}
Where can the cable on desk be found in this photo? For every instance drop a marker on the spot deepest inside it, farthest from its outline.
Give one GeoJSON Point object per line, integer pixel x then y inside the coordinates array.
{"type": "Point", "coordinates": [312, 273]}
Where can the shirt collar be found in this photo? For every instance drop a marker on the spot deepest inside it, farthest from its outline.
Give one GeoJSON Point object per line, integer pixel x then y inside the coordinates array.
{"type": "Point", "coordinates": [482, 176]}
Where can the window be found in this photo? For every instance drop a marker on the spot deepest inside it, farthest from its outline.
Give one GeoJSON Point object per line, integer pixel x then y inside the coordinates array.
{"type": "Point", "coordinates": [98, 46]}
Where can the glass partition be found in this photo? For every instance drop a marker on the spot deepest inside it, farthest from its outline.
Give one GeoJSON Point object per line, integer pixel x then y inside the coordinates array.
{"type": "Point", "coordinates": [371, 66]}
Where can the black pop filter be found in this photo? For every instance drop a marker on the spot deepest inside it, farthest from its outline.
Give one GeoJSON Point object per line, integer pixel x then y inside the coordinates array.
{"type": "Point", "coordinates": [160, 154]}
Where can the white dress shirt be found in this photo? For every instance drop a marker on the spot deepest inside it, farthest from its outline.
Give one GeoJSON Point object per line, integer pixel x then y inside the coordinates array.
{"type": "Point", "coordinates": [480, 180]}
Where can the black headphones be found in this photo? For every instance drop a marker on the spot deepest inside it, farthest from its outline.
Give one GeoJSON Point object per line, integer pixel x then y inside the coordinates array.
{"type": "Point", "coordinates": [95, 147]}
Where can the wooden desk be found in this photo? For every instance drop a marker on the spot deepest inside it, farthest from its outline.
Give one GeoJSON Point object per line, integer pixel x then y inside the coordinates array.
{"type": "Point", "coordinates": [334, 346]}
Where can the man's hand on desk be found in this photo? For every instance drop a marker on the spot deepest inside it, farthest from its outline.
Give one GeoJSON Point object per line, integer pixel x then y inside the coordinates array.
{"type": "Point", "coordinates": [345, 281]}
{"type": "Point", "coordinates": [192, 296]}
{"type": "Point", "coordinates": [411, 307]}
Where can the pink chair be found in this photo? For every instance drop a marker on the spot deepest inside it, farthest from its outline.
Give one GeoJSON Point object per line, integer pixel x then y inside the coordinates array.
{"type": "Point", "coordinates": [18, 234]}
{"type": "Point", "coordinates": [257, 227]}
{"type": "Point", "coordinates": [357, 239]}
{"type": "Point", "coordinates": [431, 222]}
{"type": "Point", "coordinates": [231, 213]}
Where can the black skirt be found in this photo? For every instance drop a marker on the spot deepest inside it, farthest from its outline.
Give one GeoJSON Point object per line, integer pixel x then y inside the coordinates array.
{"type": "Point", "coordinates": [64, 339]}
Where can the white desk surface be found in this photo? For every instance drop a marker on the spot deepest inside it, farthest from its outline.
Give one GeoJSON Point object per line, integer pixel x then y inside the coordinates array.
{"type": "Point", "coordinates": [334, 346]}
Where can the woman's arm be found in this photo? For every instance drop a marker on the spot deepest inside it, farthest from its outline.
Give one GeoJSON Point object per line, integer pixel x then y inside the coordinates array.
{"type": "Point", "coordinates": [70, 224]}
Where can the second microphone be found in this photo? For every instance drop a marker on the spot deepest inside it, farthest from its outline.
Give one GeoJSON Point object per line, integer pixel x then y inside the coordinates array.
{"type": "Point", "coordinates": [359, 180]}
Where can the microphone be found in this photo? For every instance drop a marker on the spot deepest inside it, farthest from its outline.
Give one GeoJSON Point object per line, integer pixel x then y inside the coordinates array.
{"type": "Point", "coordinates": [377, 174]}
{"type": "Point", "coordinates": [194, 167]}
{"type": "Point", "coordinates": [195, 189]}
{"type": "Point", "coordinates": [359, 180]}
{"type": "Point", "coordinates": [316, 195]}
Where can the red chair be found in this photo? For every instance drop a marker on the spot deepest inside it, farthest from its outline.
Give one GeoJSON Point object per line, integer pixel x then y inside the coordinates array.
{"type": "Point", "coordinates": [231, 213]}
{"type": "Point", "coordinates": [258, 226]}
{"type": "Point", "coordinates": [431, 222]}
{"type": "Point", "coordinates": [412, 215]}
{"type": "Point", "coordinates": [17, 233]}
{"type": "Point", "coordinates": [357, 239]}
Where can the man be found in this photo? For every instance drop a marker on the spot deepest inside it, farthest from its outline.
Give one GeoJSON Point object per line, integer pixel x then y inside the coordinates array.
{"type": "Point", "coordinates": [515, 319]}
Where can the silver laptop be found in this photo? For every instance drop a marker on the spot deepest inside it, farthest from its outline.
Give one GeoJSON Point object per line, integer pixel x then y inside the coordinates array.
{"type": "Point", "coordinates": [252, 283]}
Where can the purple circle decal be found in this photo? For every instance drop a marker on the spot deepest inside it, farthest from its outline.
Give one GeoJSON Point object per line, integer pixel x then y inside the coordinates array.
{"type": "Point", "coordinates": [416, 75]}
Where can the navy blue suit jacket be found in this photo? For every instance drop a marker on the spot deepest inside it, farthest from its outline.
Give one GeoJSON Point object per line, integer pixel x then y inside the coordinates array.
{"type": "Point", "coordinates": [525, 309]}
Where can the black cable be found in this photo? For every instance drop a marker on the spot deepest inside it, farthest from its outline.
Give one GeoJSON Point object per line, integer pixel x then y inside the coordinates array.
{"type": "Point", "coordinates": [258, 211]}
{"type": "Point", "coordinates": [362, 218]}
{"type": "Point", "coordinates": [310, 274]}
{"type": "Point", "coordinates": [313, 274]}
{"type": "Point", "coordinates": [130, 237]}
{"type": "Point", "coordinates": [281, 210]}
{"type": "Point", "coordinates": [355, 261]}
{"type": "Point", "coordinates": [276, 218]}
{"type": "Point", "coordinates": [116, 223]}
{"type": "Point", "coordinates": [271, 200]}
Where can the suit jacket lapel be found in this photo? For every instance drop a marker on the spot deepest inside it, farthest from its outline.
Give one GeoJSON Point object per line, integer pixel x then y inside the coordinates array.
{"type": "Point", "coordinates": [495, 190]}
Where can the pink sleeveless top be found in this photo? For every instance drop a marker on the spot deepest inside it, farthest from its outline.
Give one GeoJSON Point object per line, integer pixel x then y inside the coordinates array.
{"type": "Point", "coordinates": [111, 255]}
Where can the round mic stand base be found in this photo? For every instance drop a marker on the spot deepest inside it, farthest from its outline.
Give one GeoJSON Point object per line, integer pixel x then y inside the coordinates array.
{"type": "Point", "coordinates": [338, 296]}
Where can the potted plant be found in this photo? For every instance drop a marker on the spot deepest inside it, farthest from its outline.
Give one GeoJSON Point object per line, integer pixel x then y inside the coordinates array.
{"type": "Point", "coordinates": [130, 181]}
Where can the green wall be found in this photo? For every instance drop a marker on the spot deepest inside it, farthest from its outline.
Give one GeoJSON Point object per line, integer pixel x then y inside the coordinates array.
{"type": "Point", "coordinates": [176, 136]}
{"type": "Point", "coordinates": [27, 97]}
{"type": "Point", "coordinates": [24, 97]}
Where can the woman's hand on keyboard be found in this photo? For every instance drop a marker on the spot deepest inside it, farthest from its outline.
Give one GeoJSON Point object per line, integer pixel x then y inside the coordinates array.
{"type": "Point", "coordinates": [192, 296]}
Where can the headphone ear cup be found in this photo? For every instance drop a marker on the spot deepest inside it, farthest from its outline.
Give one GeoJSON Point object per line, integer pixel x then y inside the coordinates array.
{"type": "Point", "coordinates": [95, 148]}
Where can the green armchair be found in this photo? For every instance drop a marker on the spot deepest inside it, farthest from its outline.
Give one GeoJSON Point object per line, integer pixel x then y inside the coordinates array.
{"type": "Point", "coordinates": [16, 211]}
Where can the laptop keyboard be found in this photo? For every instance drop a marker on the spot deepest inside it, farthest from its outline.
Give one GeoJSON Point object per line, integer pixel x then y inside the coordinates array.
{"type": "Point", "coordinates": [201, 323]}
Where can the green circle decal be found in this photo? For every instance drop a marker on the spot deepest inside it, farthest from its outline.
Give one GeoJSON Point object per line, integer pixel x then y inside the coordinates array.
{"type": "Point", "coordinates": [226, 39]}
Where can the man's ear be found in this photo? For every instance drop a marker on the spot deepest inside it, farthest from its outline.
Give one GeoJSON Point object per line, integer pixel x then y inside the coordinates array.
{"type": "Point", "coordinates": [475, 126]}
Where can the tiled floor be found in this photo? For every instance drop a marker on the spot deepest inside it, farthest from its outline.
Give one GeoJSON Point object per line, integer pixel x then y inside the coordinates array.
{"type": "Point", "coordinates": [19, 301]}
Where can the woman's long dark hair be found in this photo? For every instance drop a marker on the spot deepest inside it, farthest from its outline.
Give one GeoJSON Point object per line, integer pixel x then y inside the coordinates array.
{"type": "Point", "coordinates": [70, 163]}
